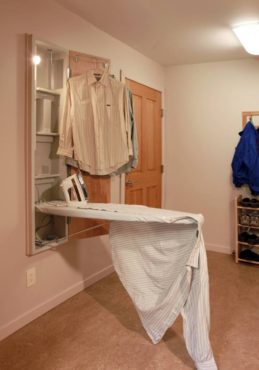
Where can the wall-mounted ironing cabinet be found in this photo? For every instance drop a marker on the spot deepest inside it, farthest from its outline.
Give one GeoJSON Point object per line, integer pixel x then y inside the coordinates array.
{"type": "Point", "coordinates": [46, 69]}
{"type": "Point", "coordinates": [45, 95]}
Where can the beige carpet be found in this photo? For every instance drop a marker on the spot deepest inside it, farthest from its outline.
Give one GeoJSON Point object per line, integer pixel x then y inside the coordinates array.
{"type": "Point", "coordinates": [98, 329]}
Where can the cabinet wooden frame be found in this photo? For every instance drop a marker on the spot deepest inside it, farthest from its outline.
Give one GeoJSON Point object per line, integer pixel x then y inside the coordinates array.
{"type": "Point", "coordinates": [34, 139]}
{"type": "Point", "coordinates": [29, 95]}
{"type": "Point", "coordinates": [98, 187]}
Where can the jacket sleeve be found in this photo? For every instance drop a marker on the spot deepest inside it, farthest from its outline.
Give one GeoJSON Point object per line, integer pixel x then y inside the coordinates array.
{"type": "Point", "coordinates": [244, 157]}
{"type": "Point", "coordinates": [66, 137]}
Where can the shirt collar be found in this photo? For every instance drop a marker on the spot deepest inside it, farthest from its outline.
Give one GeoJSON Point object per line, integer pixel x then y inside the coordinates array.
{"type": "Point", "coordinates": [92, 80]}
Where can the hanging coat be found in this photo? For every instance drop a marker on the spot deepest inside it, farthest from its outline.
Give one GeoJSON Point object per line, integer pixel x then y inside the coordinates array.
{"type": "Point", "coordinates": [245, 163]}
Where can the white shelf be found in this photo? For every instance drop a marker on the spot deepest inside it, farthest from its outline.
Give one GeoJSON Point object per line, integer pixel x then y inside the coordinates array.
{"type": "Point", "coordinates": [40, 133]}
{"type": "Point", "coordinates": [250, 245]}
{"type": "Point", "coordinates": [47, 91]}
{"type": "Point", "coordinates": [249, 208]}
{"type": "Point", "coordinates": [45, 138]}
{"type": "Point", "coordinates": [249, 261]}
{"type": "Point", "coordinates": [50, 244]}
{"type": "Point", "coordinates": [47, 176]}
{"type": "Point", "coordinates": [249, 226]}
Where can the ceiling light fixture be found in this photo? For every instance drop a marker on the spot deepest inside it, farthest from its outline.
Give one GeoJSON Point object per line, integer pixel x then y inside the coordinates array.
{"type": "Point", "coordinates": [248, 35]}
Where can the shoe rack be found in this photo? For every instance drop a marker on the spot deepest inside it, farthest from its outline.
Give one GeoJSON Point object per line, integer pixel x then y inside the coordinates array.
{"type": "Point", "coordinates": [247, 230]}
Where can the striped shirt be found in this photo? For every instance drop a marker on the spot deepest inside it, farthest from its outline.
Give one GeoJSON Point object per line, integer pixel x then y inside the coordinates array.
{"type": "Point", "coordinates": [163, 267]}
{"type": "Point", "coordinates": [95, 128]}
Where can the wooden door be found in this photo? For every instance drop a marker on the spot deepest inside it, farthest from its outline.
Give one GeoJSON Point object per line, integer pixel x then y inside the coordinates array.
{"type": "Point", "coordinates": [98, 186]}
{"type": "Point", "coordinates": [143, 185]}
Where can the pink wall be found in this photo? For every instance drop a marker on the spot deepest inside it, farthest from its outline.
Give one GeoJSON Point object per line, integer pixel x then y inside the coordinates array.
{"type": "Point", "coordinates": [203, 118]}
{"type": "Point", "coordinates": [66, 271]}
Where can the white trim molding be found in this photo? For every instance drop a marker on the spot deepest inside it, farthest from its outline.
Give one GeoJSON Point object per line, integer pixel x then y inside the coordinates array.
{"type": "Point", "coordinates": [32, 314]}
{"type": "Point", "coordinates": [218, 248]}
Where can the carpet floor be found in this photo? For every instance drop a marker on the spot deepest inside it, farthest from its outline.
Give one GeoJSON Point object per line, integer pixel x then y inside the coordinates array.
{"type": "Point", "coordinates": [98, 329]}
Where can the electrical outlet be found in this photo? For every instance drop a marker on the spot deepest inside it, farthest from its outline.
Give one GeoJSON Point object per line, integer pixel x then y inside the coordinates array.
{"type": "Point", "coordinates": [31, 276]}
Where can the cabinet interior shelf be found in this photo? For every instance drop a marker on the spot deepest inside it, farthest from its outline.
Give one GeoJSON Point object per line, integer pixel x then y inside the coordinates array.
{"type": "Point", "coordinates": [48, 91]}
{"type": "Point", "coordinates": [50, 244]}
{"type": "Point", "coordinates": [47, 176]}
{"type": "Point", "coordinates": [38, 133]}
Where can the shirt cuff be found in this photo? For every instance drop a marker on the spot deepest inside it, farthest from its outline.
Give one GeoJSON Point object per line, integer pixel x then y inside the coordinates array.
{"type": "Point", "coordinates": [207, 365]}
{"type": "Point", "coordinates": [65, 152]}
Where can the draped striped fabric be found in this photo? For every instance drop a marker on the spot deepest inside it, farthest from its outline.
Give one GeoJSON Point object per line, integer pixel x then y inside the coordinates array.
{"type": "Point", "coordinates": [163, 267]}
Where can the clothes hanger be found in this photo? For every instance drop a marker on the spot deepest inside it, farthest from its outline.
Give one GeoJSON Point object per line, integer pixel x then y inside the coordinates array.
{"type": "Point", "coordinates": [100, 69]}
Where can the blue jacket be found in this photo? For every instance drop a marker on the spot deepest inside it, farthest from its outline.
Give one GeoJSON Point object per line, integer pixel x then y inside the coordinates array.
{"type": "Point", "coordinates": [245, 163]}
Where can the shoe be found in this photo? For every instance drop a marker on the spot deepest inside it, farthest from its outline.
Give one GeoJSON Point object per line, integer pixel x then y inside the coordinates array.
{"type": "Point", "coordinates": [251, 203]}
{"type": "Point", "coordinates": [254, 203]}
{"type": "Point", "coordinates": [253, 220]}
{"type": "Point", "coordinates": [245, 202]}
{"type": "Point", "coordinates": [251, 239]}
{"type": "Point", "coordinates": [243, 237]}
{"type": "Point", "coordinates": [247, 254]}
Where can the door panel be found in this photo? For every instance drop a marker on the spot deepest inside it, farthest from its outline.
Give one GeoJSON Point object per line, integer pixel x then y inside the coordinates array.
{"type": "Point", "coordinates": [152, 196]}
{"type": "Point", "coordinates": [137, 102]}
{"type": "Point", "coordinates": [79, 62]}
{"type": "Point", "coordinates": [150, 131]}
{"type": "Point", "coordinates": [98, 186]}
{"type": "Point", "coordinates": [143, 185]}
{"type": "Point", "coordinates": [136, 196]}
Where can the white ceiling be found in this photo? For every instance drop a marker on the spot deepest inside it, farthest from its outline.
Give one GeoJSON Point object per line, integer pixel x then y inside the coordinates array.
{"type": "Point", "coordinates": [172, 31]}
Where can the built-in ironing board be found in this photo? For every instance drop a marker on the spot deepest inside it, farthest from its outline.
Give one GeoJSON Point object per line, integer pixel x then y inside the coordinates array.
{"type": "Point", "coordinates": [117, 212]}
{"type": "Point", "coordinates": [161, 261]}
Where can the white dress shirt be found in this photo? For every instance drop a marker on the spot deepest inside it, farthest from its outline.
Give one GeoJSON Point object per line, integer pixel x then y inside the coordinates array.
{"type": "Point", "coordinates": [163, 267]}
{"type": "Point", "coordinates": [95, 128]}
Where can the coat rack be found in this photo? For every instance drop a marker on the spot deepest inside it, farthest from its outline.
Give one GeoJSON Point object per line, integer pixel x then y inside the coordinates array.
{"type": "Point", "coordinates": [249, 115]}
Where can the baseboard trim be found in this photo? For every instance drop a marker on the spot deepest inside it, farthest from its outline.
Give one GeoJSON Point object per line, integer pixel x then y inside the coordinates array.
{"type": "Point", "coordinates": [218, 248]}
{"type": "Point", "coordinates": [44, 307]}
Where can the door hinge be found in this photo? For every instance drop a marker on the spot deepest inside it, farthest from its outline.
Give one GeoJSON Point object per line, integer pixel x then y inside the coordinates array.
{"type": "Point", "coordinates": [161, 112]}
{"type": "Point", "coordinates": [162, 168]}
